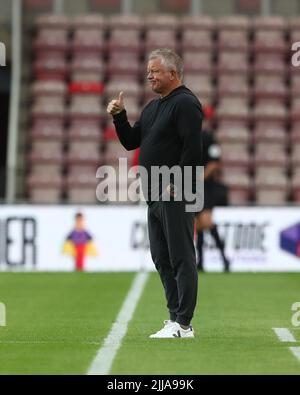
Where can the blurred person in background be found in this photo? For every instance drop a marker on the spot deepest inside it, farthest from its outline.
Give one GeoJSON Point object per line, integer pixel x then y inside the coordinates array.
{"type": "Point", "coordinates": [215, 193]}
{"type": "Point", "coordinates": [79, 243]}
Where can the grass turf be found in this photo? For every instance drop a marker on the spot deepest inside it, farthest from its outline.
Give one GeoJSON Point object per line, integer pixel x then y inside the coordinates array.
{"type": "Point", "coordinates": [233, 323]}
{"type": "Point", "coordinates": [57, 321]}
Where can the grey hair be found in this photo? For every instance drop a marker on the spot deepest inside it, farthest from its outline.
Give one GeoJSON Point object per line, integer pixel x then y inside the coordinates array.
{"type": "Point", "coordinates": [169, 58]}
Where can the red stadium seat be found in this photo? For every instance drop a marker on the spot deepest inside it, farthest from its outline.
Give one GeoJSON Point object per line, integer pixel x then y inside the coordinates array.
{"type": "Point", "coordinates": [270, 197]}
{"type": "Point", "coordinates": [199, 40]}
{"type": "Point", "coordinates": [50, 162]}
{"type": "Point", "coordinates": [272, 187]}
{"type": "Point", "coordinates": [239, 184]}
{"type": "Point", "coordinates": [233, 109]}
{"type": "Point", "coordinates": [88, 41]}
{"type": "Point", "coordinates": [50, 67]}
{"type": "Point", "coordinates": [268, 157]}
{"type": "Point", "coordinates": [46, 188]}
{"type": "Point", "coordinates": [270, 23]}
{"type": "Point", "coordinates": [126, 22]}
{"type": "Point", "coordinates": [160, 39]}
{"type": "Point", "coordinates": [53, 21]}
{"type": "Point", "coordinates": [295, 184]}
{"type": "Point", "coordinates": [130, 89]}
{"type": "Point", "coordinates": [270, 132]}
{"type": "Point", "coordinates": [81, 188]}
{"type": "Point", "coordinates": [45, 129]}
{"type": "Point", "coordinates": [231, 40]}
{"type": "Point", "coordinates": [52, 40]}
{"type": "Point", "coordinates": [124, 40]}
{"type": "Point", "coordinates": [49, 88]}
{"type": "Point", "coordinates": [123, 63]}
{"type": "Point", "coordinates": [85, 107]}
{"type": "Point", "coordinates": [233, 63]}
{"type": "Point", "coordinates": [233, 86]}
{"type": "Point", "coordinates": [85, 130]}
{"type": "Point", "coordinates": [271, 111]}
{"type": "Point", "coordinates": [233, 135]}
{"type": "Point", "coordinates": [269, 63]}
{"type": "Point", "coordinates": [48, 107]}
{"type": "Point", "coordinates": [295, 155]}
{"type": "Point", "coordinates": [92, 21]}
{"type": "Point", "coordinates": [83, 162]}
{"type": "Point", "coordinates": [156, 22]}
{"type": "Point", "coordinates": [295, 132]}
{"type": "Point", "coordinates": [90, 147]}
{"type": "Point", "coordinates": [234, 23]}
{"type": "Point", "coordinates": [87, 68]}
{"type": "Point", "coordinates": [86, 88]}
{"type": "Point", "coordinates": [40, 145]}
{"type": "Point", "coordinates": [197, 22]}
{"type": "Point", "coordinates": [295, 109]}
{"type": "Point", "coordinates": [238, 197]}
{"type": "Point", "coordinates": [269, 42]}
{"type": "Point", "coordinates": [295, 85]}
{"type": "Point", "coordinates": [197, 62]}
{"type": "Point", "coordinates": [236, 155]}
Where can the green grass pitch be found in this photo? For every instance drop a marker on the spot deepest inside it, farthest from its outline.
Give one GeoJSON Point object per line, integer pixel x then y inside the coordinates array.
{"type": "Point", "coordinates": [56, 322]}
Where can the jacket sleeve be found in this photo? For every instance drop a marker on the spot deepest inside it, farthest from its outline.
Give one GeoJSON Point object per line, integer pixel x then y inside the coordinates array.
{"type": "Point", "coordinates": [129, 136]}
{"type": "Point", "coordinates": [189, 118]}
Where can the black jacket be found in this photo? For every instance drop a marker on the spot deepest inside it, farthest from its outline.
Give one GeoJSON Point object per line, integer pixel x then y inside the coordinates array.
{"type": "Point", "coordinates": [168, 131]}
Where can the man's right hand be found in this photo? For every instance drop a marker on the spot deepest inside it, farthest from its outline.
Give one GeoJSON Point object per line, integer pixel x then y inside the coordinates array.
{"type": "Point", "coordinates": [116, 106]}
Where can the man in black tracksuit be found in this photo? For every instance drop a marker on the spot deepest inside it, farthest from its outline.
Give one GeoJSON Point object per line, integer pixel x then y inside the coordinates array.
{"type": "Point", "coordinates": [168, 133]}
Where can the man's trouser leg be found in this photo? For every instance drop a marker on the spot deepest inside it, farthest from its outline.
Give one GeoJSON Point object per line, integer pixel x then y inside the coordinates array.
{"type": "Point", "coordinates": [178, 228]}
{"type": "Point", "coordinates": [160, 257]}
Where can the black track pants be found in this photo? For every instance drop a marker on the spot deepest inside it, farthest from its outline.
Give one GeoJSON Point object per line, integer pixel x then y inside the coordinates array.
{"type": "Point", "coordinates": [171, 235]}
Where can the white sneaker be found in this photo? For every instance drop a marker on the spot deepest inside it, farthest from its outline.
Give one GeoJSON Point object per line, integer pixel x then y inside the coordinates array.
{"type": "Point", "coordinates": [167, 323]}
{"type": "Point", "coordinates": [172, 330]}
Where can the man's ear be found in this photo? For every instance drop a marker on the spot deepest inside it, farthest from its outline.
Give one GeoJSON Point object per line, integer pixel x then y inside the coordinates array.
{"type": "Point", "coordinates": [172, 75]}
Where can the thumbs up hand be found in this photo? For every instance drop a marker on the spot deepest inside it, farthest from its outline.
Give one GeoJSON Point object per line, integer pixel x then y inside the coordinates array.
{"type": "Point", "coordinates": [117, 105]}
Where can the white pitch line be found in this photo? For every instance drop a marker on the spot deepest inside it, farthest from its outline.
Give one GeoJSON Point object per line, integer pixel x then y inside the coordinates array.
{"type": "Point", "coordinates": [284, 335]}
{"type": "Point", "coordinates": [296, 352]}
{"type": "Point", "coordinates": [102, 363]}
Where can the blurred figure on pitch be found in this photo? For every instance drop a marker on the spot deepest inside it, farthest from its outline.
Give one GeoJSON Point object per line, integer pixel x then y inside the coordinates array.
{"type": "Point", "coordinates": [79, 243]}
{"type": "Point", "coordinates": [215, 193]}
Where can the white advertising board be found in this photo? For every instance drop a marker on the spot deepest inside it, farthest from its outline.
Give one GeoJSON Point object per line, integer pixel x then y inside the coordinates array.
{"type": "Point", "coordinates": [32, 238]}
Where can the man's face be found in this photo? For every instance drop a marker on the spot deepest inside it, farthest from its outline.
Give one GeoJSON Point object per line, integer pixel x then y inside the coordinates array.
{"type": "Point", "coordinates": [159, 76]}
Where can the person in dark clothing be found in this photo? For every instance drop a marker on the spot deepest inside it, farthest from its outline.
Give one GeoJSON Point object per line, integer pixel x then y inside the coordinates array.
{"type": "Point", "coordinates": [215, 194]}
{"type": "Point", "coordinates": [168, 134]}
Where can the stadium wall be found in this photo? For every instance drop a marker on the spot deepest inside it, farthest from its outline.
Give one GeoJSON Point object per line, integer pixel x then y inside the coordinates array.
{"type": "Point", "coordinates": [32, 238]}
